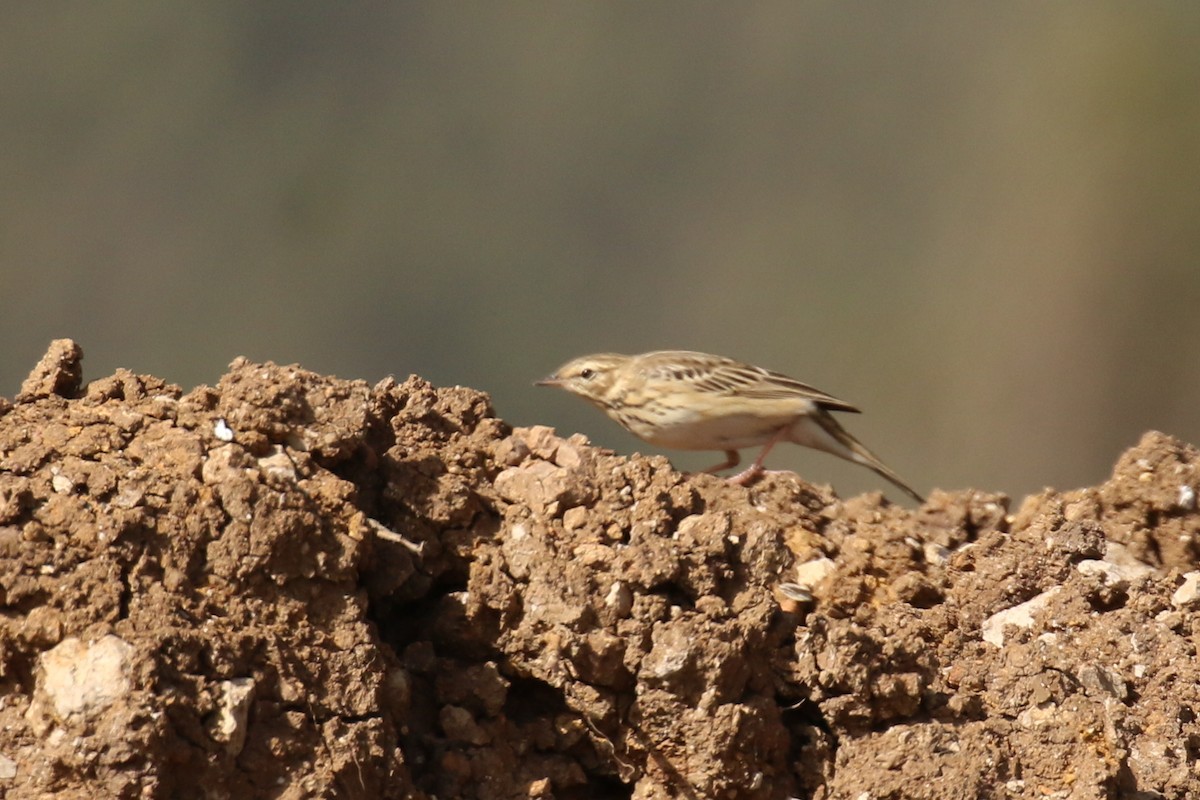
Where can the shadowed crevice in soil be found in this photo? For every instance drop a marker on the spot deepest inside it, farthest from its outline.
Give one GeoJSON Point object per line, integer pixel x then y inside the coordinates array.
{"type": "Point", "coordinates": [290, 585]}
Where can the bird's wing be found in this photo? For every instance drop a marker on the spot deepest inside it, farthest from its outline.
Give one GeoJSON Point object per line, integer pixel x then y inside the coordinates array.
{"type": "Point", "coordinates": [730, 377]}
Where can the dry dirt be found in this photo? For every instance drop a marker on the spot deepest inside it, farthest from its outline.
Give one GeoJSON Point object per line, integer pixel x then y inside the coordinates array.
{"type": "Point", "coordinates": [293, 586]}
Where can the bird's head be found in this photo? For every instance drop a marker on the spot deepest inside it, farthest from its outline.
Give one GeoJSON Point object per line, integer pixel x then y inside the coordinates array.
{"type": "Point", "coordinates": [590, 377]}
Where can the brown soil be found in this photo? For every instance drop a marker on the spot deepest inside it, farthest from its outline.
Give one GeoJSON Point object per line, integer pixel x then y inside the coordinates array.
{"type": "Point", "coordinates": [293, 586]}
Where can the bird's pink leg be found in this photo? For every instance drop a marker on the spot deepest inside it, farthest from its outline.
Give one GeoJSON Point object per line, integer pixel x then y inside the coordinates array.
{"type": "Point", "coordinates": [751, 473]}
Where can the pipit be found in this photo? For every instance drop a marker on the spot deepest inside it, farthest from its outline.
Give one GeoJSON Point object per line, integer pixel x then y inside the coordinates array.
{"type": "Point", "coordinates": [694, 401]}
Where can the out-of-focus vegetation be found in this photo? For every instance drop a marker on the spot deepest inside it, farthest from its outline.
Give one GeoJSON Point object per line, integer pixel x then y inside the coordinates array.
{"type": "Point", "coordinates": [980, 222]}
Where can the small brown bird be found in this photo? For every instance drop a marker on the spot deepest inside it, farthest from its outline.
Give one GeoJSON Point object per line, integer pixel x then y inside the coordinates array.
{"type": "Point", "coordinates": [696, 401]}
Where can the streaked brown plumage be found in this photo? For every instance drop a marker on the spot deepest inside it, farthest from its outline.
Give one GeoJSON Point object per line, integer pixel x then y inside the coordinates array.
{"type": "Point", "coordinates": [695, 401]}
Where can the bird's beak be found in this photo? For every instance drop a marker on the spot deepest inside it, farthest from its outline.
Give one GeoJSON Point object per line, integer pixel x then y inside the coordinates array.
{"type": "Point", "coordinates": [549, 380]}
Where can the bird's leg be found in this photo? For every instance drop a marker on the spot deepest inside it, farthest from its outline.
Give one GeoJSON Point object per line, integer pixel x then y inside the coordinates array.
{"type": "Point", "coordinates": [752, 472]}
{"type": "Point", "coordinates": [732, 458]}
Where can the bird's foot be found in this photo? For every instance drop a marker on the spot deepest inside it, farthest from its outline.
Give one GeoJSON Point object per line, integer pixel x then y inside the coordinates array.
{"type": "Point", "coordinates": [746, 476]}
{"type": "Point", "coordinates": [752, 474]}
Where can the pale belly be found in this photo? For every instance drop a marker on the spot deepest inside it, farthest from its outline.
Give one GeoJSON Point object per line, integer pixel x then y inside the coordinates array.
{"type": "Point", "coordinates": [695, 432]}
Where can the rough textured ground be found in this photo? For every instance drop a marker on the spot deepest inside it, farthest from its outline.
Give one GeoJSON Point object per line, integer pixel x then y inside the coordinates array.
{"type": "Point", "coordinates": [291, 586]}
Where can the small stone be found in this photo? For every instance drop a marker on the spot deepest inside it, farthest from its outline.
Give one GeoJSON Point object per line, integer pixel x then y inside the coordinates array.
{"type": "Point", "coordinates": [538, 484]}
{"type": "Point", "coordinates": [85, 678]}
{"type": "Point", "coordinates": [227, 724]}
{"type": "Point", "coordinates": [511, 451]}
{"type": "Point", "coordinates": [1169, 618]}
{"type": "Point", "coordinates": [222, 431]}
{"type": "Point", "coordinates": [541, 440]}
{"type": "Point", "coordinates": [1041, 716]}
{"type": "Point", "coordinates": [619, 599]}
{"type": "Point", "coordinates": [1188, 593]}
{"type": "Point", "coordinates": [672, 653]}
{"type": "Point", "coordinates": [1186, 499]}
{"type": "Point", "coordinates": [810, 573]}
{"type": "Point", "coordinates": [1020, 616]}
{"type": "Point", "coordinates": [278, 466]}
{"type": "Point", "coordinates": [1099, 681]}
{"type": "Point", "coordinates": [594, 555]}
{"type": "Point", "coordinates": [43, 626]}
{"type": "Point", "coordinates": [567, 455]}
{"type": "Point", "coordinates": [575, 518]}
{"type": "Point", "coordinates": [541, 788]}
{"type": "Point", "coordinates": [935, 553]}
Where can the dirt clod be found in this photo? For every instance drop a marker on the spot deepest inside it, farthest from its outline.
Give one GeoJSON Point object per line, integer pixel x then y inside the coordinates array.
{"type": "Point", "coordinates": [290, 585]}
{"type": "Point", "coordinates": [60, 372]}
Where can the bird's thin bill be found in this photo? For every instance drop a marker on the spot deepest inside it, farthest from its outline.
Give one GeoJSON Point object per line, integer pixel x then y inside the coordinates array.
{"type": "Point", "coordinates": [548, 381]}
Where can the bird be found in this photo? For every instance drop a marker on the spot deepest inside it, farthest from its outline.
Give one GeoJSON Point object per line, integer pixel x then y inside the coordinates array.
{"type": "Point", "coordinates": [685, 400]}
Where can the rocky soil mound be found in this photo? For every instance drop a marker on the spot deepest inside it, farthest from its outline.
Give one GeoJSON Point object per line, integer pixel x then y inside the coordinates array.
{"type": "Point", "coordinates": [293, 586]}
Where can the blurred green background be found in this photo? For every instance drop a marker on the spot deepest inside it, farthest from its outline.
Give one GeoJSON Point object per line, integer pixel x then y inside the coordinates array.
{"type": "Point", "coordinates": [978, 221]}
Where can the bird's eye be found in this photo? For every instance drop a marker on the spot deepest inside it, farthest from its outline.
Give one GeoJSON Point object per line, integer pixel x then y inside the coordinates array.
{"type": "Point", "coordinates": [587, 373]}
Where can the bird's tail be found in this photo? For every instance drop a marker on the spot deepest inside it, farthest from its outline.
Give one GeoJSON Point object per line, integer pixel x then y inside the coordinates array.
{"type": "Point", "coordinates": [821, 431]}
